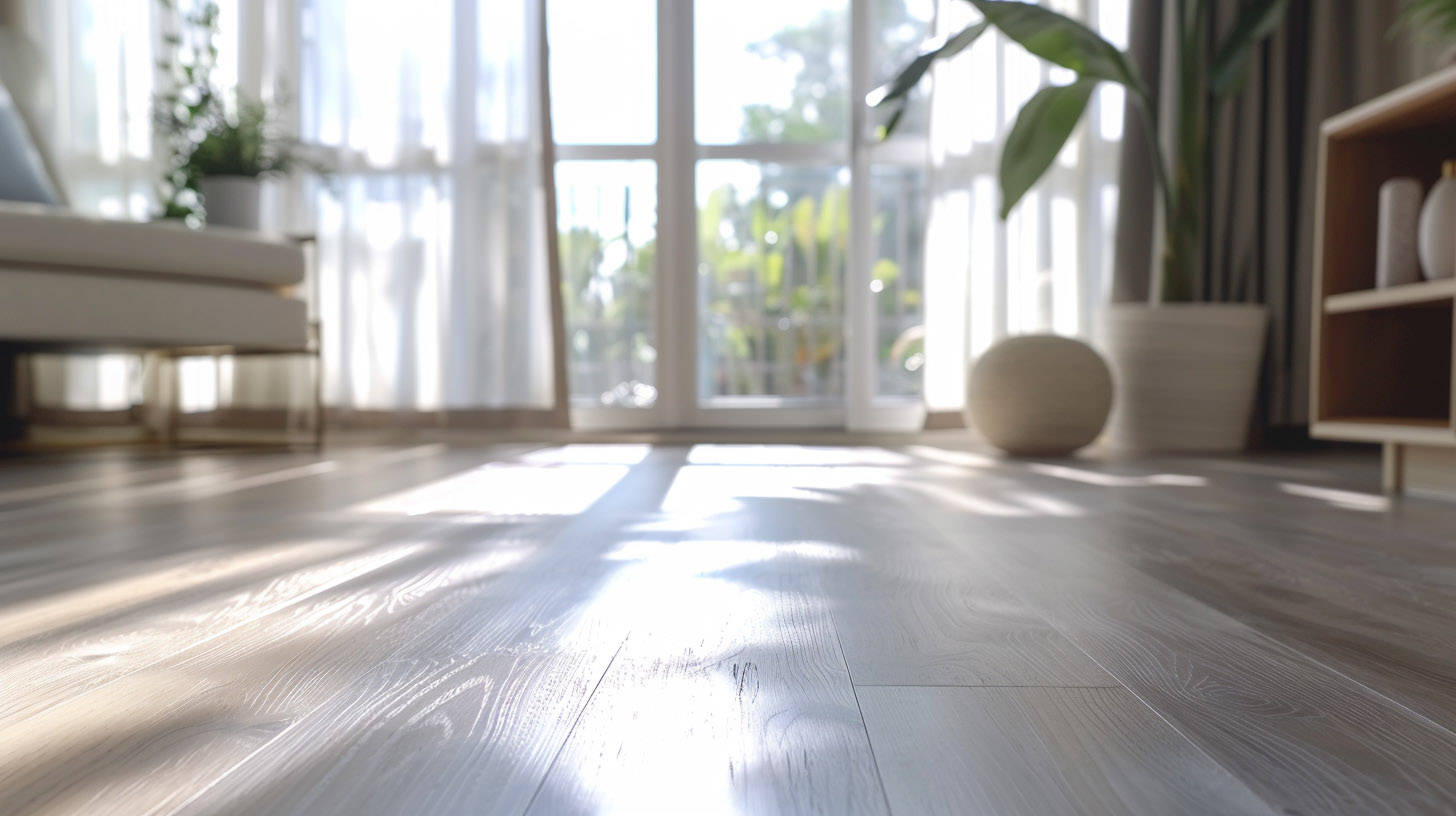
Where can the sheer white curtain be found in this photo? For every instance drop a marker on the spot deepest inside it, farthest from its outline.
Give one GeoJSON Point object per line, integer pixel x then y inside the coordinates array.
{"type": "Point", "coordinates": [101, 67]}
{"type": "Point", "coordinates": [431, 284]}
{"type": "Point", "coordinates": [102, 62]}
{"type": "Point", "coordinates": [1046, 268]}
{"type": "Point", "coordinates": [433, 293]}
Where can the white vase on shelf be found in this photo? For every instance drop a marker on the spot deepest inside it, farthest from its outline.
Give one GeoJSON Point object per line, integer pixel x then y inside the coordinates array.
{"type": "Point", "coordinates": [1396, 263]}
{"type": "Point", "coordinates": [1437, 242]}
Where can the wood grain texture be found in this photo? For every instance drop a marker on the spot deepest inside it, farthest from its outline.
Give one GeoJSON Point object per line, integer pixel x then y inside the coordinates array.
{"type": "Point", "coordinates": [1042, 751]}
{"type": "Point", "coordinates": [414, 625]}
{"type": "Point", "coordinates": [716, 633]}
{"type": "Point", "coordinates": [467, 716]}
{"type": "Point", "coordinates": [84, 542]}
{"type": "Point", "coordinates": [191, 717]}
{"type": "Point", "coordinates": [908, 612]}
{"type": "Point", "coordinates": [726, 615]}
{"type": "Point", "coordinates": [1366, 593]}
{"type": "Point", "coordinates": [581, 629]}
{"type": "Point", "coordinates": [1303, 736]}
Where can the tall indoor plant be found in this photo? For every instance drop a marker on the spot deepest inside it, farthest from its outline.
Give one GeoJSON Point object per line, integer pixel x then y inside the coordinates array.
{"type": "Point", "coordinates": [1186, 372]}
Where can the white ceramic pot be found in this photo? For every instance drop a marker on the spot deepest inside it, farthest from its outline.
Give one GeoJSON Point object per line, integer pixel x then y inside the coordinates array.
{"type": "Point", "coordinates": [1185, 374]}
{"type": "Point", "coordinates": [232, 201]}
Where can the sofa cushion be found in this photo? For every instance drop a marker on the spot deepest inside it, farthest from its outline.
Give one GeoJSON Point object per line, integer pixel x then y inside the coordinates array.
{"type": "Point", "coordinates": [70, 308]}
{"type": "Point", "coordinates": [32, 234]}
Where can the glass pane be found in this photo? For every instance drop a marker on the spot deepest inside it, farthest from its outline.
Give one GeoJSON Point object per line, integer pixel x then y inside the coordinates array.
{"type": "Point", "coordinates": [607, 224]}
{"type": "Point", "coordinates": [772, 243]}
{"type": "Point", "coordinates": [901, 27]}
{"type": "Point", "coordinates": [897, 275]}
{"type": "Point", "coordinates": [772, 70]}
{"type": "Point", "coordinates": [603, 71]}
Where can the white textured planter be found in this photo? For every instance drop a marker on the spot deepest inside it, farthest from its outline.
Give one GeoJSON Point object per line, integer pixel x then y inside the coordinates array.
{"type": "Point", "coordinates": [1039, 395]}
{"type": "Point", "coordinates": [232, 201]}
{"type": "Point", "coordinates": [1185, 374]}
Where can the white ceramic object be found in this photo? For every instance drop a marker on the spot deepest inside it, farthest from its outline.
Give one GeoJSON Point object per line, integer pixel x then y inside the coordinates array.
{"type": "Point", "coordinates": [1039, 395]}
{"type": "Point", "coordinates": [1396, 263]}
{"type": "Point", "coordinates": [1186, 374]}
{"type": "Point", "coordinates": [232, 201]}
{"type": "Point", "coordinates": [1438, 227]}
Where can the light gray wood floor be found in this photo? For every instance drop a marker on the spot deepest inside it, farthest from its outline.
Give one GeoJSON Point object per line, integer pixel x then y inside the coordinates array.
{"type": "Point", "coordinates": [678, 629]}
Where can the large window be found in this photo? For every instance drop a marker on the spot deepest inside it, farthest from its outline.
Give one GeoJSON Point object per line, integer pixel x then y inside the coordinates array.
{"type": "Point", "coordinates": [735, 239]}
{"type": "Point", "coordinates": [715, 201]}
{"type": "Point", "coordinates": [604, 69]}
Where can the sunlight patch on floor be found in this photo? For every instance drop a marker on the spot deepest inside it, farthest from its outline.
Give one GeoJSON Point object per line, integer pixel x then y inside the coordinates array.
{"type": "Point", "coordinates": [55, 610]}
{"type": "Point", "coordinates": [706, 490]}
{"type": "Point", "coordinates": [504, 490]}
{"type": "Point", "coordinates": [982, 501]}
{"type": "Point", "coordinates": [794, 455]}
{"type": "Point", "coordinates": [587, 454]}
{"type": "Point", "coordinates": [1343, 499]}
{"type": "Point", "coordinates": [1100, 479]}
{"type": "Point", "coordinates": [951, 457]}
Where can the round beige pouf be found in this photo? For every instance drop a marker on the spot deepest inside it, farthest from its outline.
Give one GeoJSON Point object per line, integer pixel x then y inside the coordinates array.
{"type": "Point", "coordinates": [1039, 395]}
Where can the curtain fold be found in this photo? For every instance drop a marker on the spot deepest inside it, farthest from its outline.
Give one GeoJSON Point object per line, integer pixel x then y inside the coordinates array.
{"type": "Point", "coordinates": [1328, 56]}
{"type": "Point", "coordinates": [433, 284]}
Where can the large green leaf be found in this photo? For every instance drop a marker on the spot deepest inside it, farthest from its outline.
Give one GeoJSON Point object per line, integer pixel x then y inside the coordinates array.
{"type": "Point", "coordinates": [1060, 40]}
{"type": "Point", "coordinates": [935, 49]}
{"type": "Point", "coordinates": [1257, 20]}
{"type": "Point", "coordinates": [1041, 129]}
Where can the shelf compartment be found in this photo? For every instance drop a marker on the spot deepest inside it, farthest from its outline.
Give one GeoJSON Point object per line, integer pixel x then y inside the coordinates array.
{"type": "Point", "coordinates": [1387, 367]}
{"type": "Point", "coordinates": [1393, 297]}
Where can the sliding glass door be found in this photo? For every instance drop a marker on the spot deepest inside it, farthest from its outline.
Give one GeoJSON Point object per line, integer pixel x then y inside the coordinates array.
{"type": "Point", "coordinates": [770, 130]}
{"type": "Point", "coordinates": [737, 250]}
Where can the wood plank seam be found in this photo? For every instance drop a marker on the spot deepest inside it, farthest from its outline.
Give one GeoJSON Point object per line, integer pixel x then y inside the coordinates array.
{"type": "Point", "coordinates": [1053, 624]}
{"type": "Point", "coordinates": [854, 689]}
{"type": "Point", "coordinates": [1280, 643]}
{"type": "Point", "coordinates": [1255, 635]}
{"type": "Point", "coordinates": [581, 712]}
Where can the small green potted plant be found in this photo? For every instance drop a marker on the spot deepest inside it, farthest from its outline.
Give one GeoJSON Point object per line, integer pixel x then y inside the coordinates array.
{"type": "Point", "coordinates": [218, 153]}
{"type": "Point", "coordinates": [1186, 372]}
{"type": "Point", "coordinates": [238, 151]}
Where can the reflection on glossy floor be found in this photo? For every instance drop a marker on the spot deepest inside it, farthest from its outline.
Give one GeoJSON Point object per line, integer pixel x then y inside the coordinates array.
{"type": "Point", "coordinates": [720, 629]}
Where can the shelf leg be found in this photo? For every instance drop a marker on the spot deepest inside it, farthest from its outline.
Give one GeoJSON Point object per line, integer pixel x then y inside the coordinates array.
{"type": "Point", "coordinates": [1392, 468]}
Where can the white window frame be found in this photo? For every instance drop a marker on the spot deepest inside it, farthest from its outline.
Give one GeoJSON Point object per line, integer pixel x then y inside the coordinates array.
{"type": "Point", "coordinates": [677, 153]}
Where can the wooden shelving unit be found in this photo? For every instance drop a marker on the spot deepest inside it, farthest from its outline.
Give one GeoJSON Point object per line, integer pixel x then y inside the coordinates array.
{"type": "Point", "coordinates": [1382, 358]}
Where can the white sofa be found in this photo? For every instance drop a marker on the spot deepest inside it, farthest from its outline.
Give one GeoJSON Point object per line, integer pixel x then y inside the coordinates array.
{"type": "Point", "coordinates": [67, 280]}
{"type": "Point", "coordinates": [73, 283]}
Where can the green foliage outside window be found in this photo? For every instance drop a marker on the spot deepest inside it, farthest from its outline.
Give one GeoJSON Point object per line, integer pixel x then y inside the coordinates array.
{"type": "Point", "coordinates": [775, 294]}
